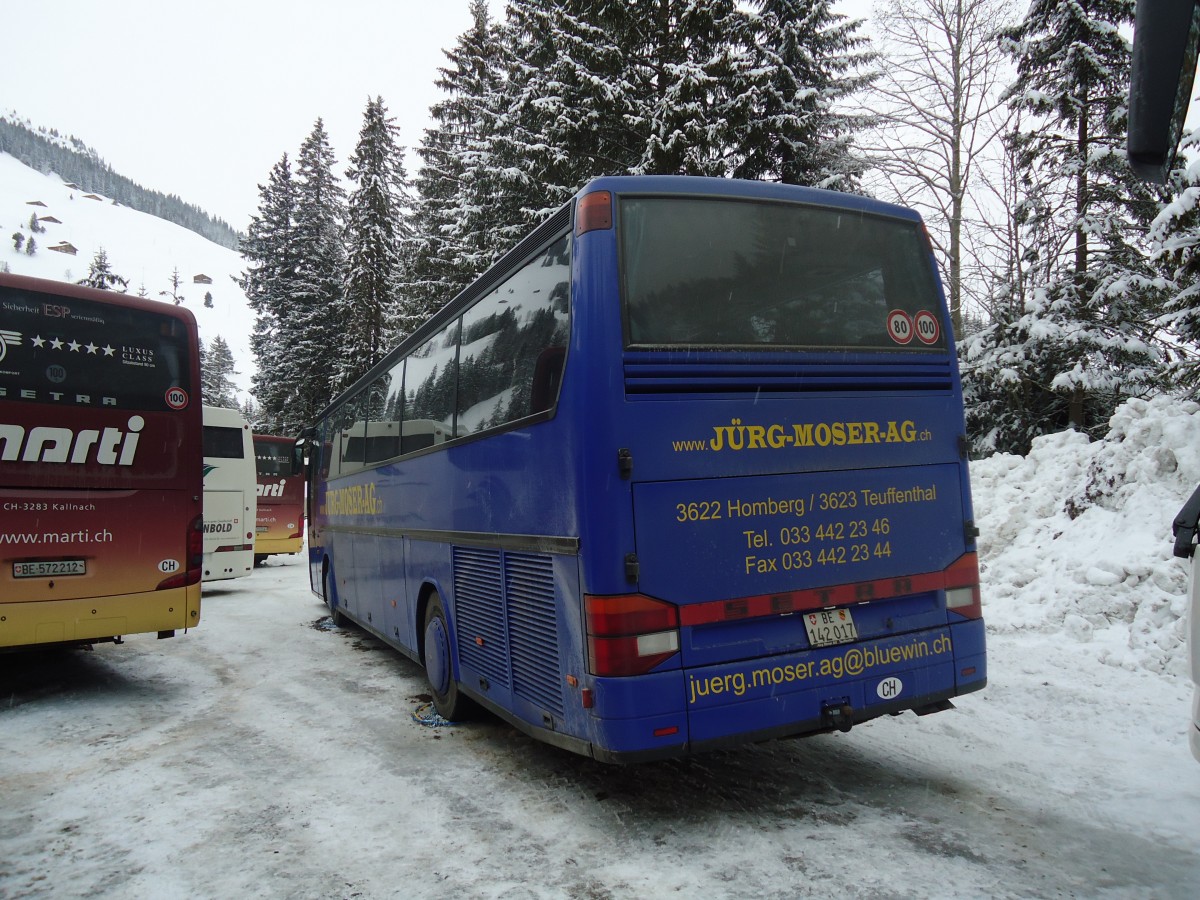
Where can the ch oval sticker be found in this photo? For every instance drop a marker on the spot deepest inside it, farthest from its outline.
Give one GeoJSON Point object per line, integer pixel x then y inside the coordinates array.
{"type": "Point", "coordinates": [890, 688]}
{"type": "Point", "coordinates": [167, 566]}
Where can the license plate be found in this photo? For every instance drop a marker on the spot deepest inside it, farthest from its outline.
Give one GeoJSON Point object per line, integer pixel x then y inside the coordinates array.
{"type": "Point", "coordinates": [49, 568]}
{"type": "Point", "coordinates": [827, 627]}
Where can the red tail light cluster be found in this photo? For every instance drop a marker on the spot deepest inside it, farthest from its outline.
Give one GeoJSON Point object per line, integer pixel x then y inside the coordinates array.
{"type": "Point", "coordinates": [962, 586]}
{"type": "Point", "coordinates": [629, 634]}
{"type": "Point", "coordinates": [593, 213]}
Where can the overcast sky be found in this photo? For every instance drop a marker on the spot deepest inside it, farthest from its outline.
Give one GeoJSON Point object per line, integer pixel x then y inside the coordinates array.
{"type": "Point", "coordinates": [201, 99]}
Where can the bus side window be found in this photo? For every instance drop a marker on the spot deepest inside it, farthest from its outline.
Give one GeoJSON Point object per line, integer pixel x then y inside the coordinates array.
{"type": "Point", "coordinates": [348, 438]}
{"type": "Point", "coordinates": [513, 344]}
{"type": "Point", "coordinates": [430, 391]}
{"type": "Point", "coordinates": [383, 431]}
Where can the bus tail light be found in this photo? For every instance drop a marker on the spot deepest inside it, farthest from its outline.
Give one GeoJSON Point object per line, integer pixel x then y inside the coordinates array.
{"type": "Point", "coordinates": [629, 634]}
{"type": "Point", "coordinates": [962, 587]}
{"type": "Point", "coordinates": [594, 213]}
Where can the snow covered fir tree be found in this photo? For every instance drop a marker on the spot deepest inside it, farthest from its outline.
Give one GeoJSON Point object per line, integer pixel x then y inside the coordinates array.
{"type": "Point", "coordinates": [1074, 305]}
{"type": "Point", "coordinates": [374, 231]}
{"type": "Point", "coordinates": [1077, 332]}
{"type": "Point", "coordinates": [217, 368]}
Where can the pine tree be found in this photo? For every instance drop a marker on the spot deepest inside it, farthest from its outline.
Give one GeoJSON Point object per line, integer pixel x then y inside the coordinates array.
{"type": "Point", "coordinates": [375, 227]}
{"type": "Point", "coordinates": [251, 414]}
{"type": "Point", "coordinates": [1175, 234]}
{"type": "Point", "coordinates": [176, 283]}
{"type": "Point", "coordinates": [567, 90]}
{"type": "Point", "coordinates": [311, 314]}
{"type": "Point", "coordinates": [460, 218]}
{"type": "Point", "coordinates": [1085, 339]}
{"type": "Point", "coordinates": [101, 276]}
{"type": "Point", "coordinates": [270, 252]}
{"type": "Point", "coordinates": [801, 63]}
{"type": "Point", "coordinates": [216, 375]}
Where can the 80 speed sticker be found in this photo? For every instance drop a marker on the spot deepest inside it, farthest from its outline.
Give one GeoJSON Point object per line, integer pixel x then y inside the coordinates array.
{"type": "Point", "coordinates": [900, 326]}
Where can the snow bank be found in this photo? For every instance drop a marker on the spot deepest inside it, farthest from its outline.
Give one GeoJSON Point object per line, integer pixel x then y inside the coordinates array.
{"type": "Point", "coordinates": [1076, 536]}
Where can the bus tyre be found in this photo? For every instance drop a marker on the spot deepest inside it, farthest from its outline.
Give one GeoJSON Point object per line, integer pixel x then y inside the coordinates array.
{"type": "Point", "coordinates": [335, 614]}
{"type": "Point", "coordinates": [439, 664]}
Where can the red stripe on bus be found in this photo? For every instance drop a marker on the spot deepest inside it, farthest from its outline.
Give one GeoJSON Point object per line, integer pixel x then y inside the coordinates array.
{"type": "Point", "coordinates": [786, 602]}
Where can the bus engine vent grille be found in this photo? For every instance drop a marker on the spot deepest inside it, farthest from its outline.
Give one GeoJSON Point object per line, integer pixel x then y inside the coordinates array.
{"type": "Point", "coordinates": [677, 373]}
{"type": "Point", "coordinates": [506, 623]}
{"type": "Point", "coordinates": [479, 613]}
{"type": "Point", "coordinates": [533, 628]}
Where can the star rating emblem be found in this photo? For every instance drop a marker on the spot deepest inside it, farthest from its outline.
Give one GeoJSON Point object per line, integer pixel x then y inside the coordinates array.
{"type": "Point", "coordinates": [38, 341]}
{"type": "Point", "coordinates": [56, 344]}
{"type": "Point", "coordinates": [74, 346]}
{"type": "Point", "coordinates": [109, 351]}
{"type": "Point", "coordinates": [91, 348]}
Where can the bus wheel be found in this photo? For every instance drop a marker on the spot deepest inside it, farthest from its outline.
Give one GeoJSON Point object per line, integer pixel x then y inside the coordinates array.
{"type": "Point", "coordinates": [335, 615]}
{"type": "Point", "coordinates": [439, 667]}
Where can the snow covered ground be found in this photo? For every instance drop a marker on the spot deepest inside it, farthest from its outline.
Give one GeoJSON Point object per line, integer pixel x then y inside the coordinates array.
{"type": "Point", "coordinates": [268, 754]}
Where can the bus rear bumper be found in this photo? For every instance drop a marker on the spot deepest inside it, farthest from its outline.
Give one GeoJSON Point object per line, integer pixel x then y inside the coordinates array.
{"type": "Point", "coordinates": [806, 692]}
{"type": "Point", "coordinates": [97, 619]}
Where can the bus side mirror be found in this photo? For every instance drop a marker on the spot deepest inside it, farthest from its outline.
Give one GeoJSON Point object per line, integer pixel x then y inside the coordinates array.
{"type": "Point", "coordinates": [1166, 34]}
{"type": "Point", "coordinates": [307, 438]}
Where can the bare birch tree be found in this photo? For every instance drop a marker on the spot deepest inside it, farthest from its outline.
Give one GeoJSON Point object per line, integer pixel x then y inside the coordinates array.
{"type": "Point", "coordinates": [938, 97]}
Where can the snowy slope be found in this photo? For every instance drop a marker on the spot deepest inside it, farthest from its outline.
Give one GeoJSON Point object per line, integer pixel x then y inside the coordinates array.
{"type": "Point", "coordinates": [141, 248]}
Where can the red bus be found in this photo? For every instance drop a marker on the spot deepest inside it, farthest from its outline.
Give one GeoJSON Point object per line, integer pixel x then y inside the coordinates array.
{"type": "Point", "coordinates": [100, 465]}
{"type": "Point", "coordinates": [280, 521]}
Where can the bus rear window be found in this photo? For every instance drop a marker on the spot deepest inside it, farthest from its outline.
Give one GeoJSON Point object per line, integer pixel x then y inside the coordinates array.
{"type": "Point", "coordinates": [273, 458]}
{"type": "Point", "coordinates": [78, 352]}
{"type": "Point", "coordinates": [709, 272]}
{"type": "Point", "coordinates": [223, 441]}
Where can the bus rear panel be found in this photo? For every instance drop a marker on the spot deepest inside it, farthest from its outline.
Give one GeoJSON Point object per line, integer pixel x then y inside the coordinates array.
{"type": "Point", "coordinates": [794, 498]}
{"type": "Point", "coordinates": [279, 523]}
{"type": "Point", "coordinates": [99, 466]}
{"type": "Point", "coordinates": [230, 501]}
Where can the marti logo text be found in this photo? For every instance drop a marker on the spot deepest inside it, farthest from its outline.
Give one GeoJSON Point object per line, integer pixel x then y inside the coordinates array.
{"type": "Point", "coordinates": [48, 444]}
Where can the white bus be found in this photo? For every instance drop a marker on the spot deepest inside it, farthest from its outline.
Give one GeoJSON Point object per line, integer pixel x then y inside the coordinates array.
{"type": "Point", "coordinates": [230, 501]}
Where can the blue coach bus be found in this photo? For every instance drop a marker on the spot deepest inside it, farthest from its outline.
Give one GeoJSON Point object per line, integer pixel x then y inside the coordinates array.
{"type": "Point", "coordinates": [685, 468]}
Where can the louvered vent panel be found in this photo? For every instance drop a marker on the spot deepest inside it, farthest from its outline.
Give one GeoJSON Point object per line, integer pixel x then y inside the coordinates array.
{"type": "Point", "coordinates": [647, 376]}
{"type": "Point", "coordinates": [533, 630]}
{"type": "Point", "coordinates": [479, 612]}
